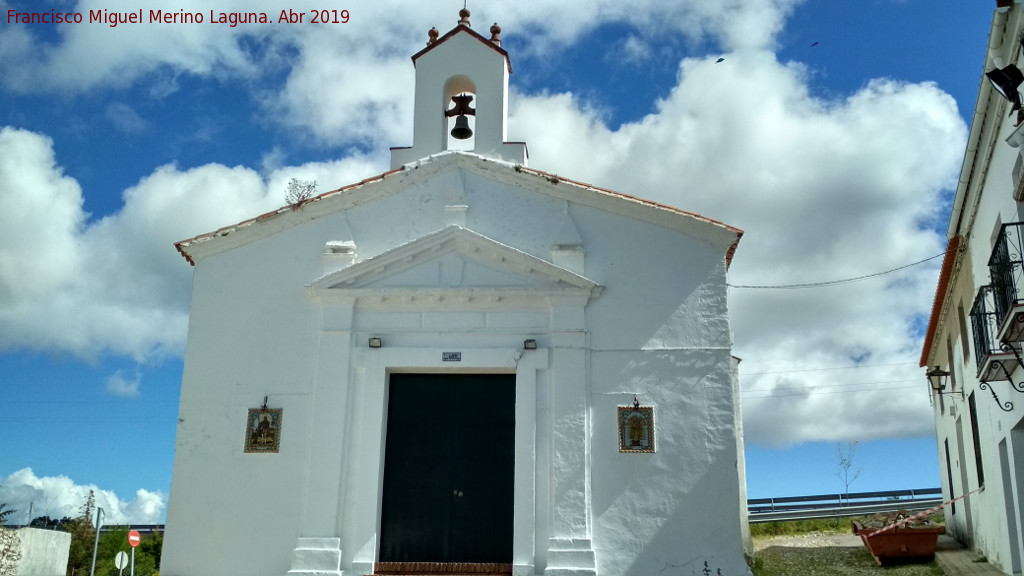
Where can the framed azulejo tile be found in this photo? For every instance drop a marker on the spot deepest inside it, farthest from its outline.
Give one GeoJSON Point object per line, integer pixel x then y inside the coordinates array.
{"type": "Point", "coordinates": [263, 430]}
{"type": "Point", "coordinates": [636, 429]}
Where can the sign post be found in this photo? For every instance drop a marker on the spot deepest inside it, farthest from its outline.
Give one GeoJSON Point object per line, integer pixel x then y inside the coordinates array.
{"type": "Point", "coordinates": [120, 561]}
{"type": "Point", "coordinates": [133, 540]}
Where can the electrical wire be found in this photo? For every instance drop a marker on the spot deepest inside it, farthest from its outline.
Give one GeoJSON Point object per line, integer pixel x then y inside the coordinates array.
{"type": "Point", "coordinates": [97, 420]}
{"type": "Point", "coordinates": [813, 392]}
{"type": "Point", "coordinates": [833, 282]}
{"type": "Point", "coordinates": [838, 385]}
{"type": "Point", "coordinates": [743, 374]}
{"type": "Point", "coordinates": [111, 402]}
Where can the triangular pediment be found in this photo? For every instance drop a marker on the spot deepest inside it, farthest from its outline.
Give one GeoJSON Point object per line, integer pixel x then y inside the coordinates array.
{"type": "Point", "coordinates": [455, 261]}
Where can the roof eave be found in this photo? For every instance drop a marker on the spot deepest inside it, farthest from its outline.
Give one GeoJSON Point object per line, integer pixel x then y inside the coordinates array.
{"type": "Point", "coordinates": [475, 34]}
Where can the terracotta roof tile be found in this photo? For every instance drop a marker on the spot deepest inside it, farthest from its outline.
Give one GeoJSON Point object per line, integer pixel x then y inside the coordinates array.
{"type": "Point", "coordinates": [952, 247]}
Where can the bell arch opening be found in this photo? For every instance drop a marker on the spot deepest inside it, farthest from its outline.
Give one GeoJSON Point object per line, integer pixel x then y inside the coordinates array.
{"type": "Point", "coordinates": [460, 113]}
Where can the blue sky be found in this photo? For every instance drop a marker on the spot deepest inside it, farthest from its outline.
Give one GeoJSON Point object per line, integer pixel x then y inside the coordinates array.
{"type": "Point", "coordinates": [831, 131]}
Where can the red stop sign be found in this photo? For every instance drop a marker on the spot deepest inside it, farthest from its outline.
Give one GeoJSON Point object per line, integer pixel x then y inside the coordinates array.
{"type": "Point", "coordinates": [134, 538]}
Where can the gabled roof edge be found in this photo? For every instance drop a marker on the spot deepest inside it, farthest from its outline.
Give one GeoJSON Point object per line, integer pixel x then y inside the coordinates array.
{"type": "Point", "coordinates": [556, 178]}
{"type": "Point", "coordinates": [183, 245]}
{"type": "Point", "coordinates": [225, 230]}
{"type": "Point", "coordinates": [952, 250]}
{"type": "Point", "coordinates": [460, 28]}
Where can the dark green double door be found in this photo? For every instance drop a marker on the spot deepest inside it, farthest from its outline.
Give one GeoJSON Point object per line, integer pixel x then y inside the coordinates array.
{"type": "Point", "coordinates": [448, 468]}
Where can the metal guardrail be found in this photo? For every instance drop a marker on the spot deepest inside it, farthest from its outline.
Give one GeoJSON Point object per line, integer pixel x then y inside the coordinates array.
{"type": "Point", "coordinates": [840, 505]}
{"type": "Point", "coordinates": [776, 509]}
{"type": "Point", "coordinates": [142, 529]}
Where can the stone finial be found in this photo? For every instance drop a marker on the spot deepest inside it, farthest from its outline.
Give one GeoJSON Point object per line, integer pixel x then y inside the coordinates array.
{"type": "Point", "coordinates": [464, 17]}
{"type": "Point", "coordinates": [496, 34]}
{"type": "Point", "coordinates": [433, 36]}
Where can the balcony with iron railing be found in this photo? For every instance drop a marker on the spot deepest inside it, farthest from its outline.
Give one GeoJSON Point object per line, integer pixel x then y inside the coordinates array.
{"type": "Point", "coordinates": [1006, 268]}
{"type": "Point", "coordinates": [996, 360]}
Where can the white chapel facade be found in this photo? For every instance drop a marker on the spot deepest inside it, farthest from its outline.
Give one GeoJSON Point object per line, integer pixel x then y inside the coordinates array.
{"type": "Point", "coordinates": [460, 366]}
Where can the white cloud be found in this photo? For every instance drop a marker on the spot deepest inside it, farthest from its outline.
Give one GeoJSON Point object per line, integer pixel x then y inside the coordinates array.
{"type": "Point", "coordinates": [59, 497]}
{"type": "Point", "coordinates": [116, 285]}
{"type": "Point", "coordinates": [125, 118]}
{"type": "Point", "coordinates": [339, 89]}
{"type": "Point", "coordinates": [634, 49]}
{"type": "Point", "coordinates": [343, 81]}
{"type": "Point", "coordinates": [122, 384]}
{"type": "Point", "coordinates": [825, 190]}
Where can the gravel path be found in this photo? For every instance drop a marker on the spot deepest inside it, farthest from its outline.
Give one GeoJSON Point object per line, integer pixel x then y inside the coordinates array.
{"type": "Point", "coordinates": [811, 540]}
{"type": "Point", "coordinates": [825, 554]}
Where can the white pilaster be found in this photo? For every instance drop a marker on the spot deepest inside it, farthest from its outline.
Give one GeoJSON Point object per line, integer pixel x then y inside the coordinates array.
{"type": "Point", "coordinates": [570, 550]}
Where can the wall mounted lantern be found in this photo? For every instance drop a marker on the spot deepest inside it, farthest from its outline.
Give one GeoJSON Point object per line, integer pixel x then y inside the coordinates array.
{"type": "Point", "coordinates": [1006, 81]}
{"type": "Point", "coordinates": [937, 378]}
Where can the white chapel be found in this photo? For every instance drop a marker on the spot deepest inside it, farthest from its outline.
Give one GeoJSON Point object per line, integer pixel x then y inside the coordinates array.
{"type": "Point", "coordinates": [461, 366]}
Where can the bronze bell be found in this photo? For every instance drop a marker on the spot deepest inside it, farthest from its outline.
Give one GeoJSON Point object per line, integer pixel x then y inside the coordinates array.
{"type": "Point", "coordinates": [462, 131]}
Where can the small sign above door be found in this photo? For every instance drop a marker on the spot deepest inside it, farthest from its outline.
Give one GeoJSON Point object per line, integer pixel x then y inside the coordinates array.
{"type": "Point", "coordinates": [451, 356]}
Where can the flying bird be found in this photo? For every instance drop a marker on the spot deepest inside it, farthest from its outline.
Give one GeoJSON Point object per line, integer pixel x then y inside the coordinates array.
{"type": "Point", "coordinates": [719, 60]}
{"type": "Point", "coordinates": [815, 44]}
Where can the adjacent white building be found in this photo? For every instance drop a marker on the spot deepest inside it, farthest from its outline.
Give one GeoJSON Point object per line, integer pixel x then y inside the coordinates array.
{"type": "Point", "coordinates": [42, 552]}
{"type": "Point", "coordinates": [977, 322]}
{"type": "Point", "coordinates": [460, 366]}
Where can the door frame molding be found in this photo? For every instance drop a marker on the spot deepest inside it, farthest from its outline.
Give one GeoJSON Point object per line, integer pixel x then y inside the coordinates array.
{"type": "Point", "coordinates": [371, 370]}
